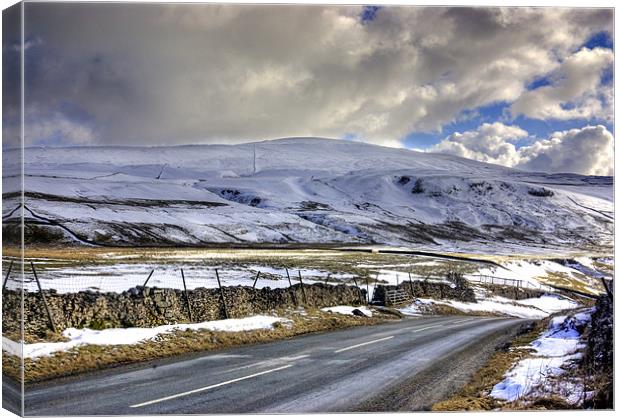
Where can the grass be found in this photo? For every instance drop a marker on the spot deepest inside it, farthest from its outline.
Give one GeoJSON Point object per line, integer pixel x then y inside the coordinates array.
{"type": "Point", "coordinates": [579, 283]}
{"type": "Point", "coordinates": [361, 265]}
{"type": "Point", "coordinates": [474, 395]}
{"type": "Point", "coordinates": [92, 357]}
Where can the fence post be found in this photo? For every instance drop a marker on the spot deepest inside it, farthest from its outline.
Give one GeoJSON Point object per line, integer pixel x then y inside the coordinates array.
{"type": "Point", "coordinates": [290, 286]}
{"type": "Point", "coordinates": [327, 278]}
{"type": "Point", "coordinates": [149, 278]}
{"type": "Point", "coordinates": [7, 276]}
{"type": "Point", "coordinates": [219, 284]}
{"type": "Point", "coordinates": [255, 280]}
{"type": "Point", "coordinates": [303, 291]}
{"type": "Point", "coordinates": [367, 291]}
{"type": "Point", "coordinates": [359, 291]}
{"type": "Point", "coordinates": [189, 306]}
{"type": "Point", "coordinates": [411, 284]}
{"type": "Point", "coordinates": [47, 308]}
{"type": "Point", "coordinates": [217, 276]}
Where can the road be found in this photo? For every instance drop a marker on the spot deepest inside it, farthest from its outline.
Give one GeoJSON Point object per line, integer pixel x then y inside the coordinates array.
{"type": "Point", "coordinates": [326, 372]}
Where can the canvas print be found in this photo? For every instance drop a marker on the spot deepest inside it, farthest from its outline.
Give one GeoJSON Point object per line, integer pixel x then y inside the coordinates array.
{"type": "Point", "coordinates": [255, 208]}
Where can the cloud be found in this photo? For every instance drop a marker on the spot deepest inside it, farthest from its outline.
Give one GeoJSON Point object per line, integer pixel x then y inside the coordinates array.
{"type": "Point", "coordinates": [588, 150]}
{"type": "Point", "coordinates": [56, 128]}
{"type": "Point", "coordinates": [187, 73]}
{"type": "Point", "coordinates": [490, 143]}
{"type": "Point", "coordinates": [575, 91]}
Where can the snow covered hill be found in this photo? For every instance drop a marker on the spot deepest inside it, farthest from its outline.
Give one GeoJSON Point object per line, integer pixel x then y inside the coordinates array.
{"type": "Point", "coordinates": [299, 190]}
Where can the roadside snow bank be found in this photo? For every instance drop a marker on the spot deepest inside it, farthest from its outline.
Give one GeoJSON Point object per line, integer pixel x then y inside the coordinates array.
{"type": "Point", "coordinates": [534, 308]}
{"type": "Point", "coordinates": [127, 336]}
{"type": "Point", "coordinates": [552, 353]}
{"type": "Point", "coordinates": [348, 310]}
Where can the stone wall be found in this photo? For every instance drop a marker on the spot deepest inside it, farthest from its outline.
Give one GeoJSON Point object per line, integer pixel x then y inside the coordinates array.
{"type": "Point", "coordinates": [427, 289]}
{"type": "Point", "coordinates": [599, 359]}
{"type": "Point", "coordinates": [513, 292]}
{"type": "Point", "coordinates": [148, 307]}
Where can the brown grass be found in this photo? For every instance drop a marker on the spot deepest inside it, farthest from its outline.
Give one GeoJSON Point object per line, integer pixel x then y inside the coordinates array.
{"type": "Point", "coordinates": [92, 357]}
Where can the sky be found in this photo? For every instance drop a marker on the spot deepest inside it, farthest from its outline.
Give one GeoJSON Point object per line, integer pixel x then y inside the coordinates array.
{"type": "Point", "coordinates": [530, 88]}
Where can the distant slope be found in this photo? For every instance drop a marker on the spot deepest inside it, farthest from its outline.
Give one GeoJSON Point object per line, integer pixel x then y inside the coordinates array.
{"type": "Point", "coordinates": [300, 190]}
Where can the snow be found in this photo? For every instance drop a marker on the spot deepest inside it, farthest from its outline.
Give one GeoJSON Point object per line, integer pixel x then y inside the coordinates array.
{"type": "Point", "coordinates": [123, 276]}
{"type": "Point", "coordinates": [550, 303]}
{"type": "Point", "coordinates": [411, 310]}
{"type": "Point", "coordinates": [129, 336]}
{"type": "Point", "coordinates": [305, 190]}
{"type": "Point", "coordinates": [533, 273]}
{"type": "Point", "coordinates": [347, 310]}
{"type": "Point", "coordinates": [552, 353]}
{"type": "Point", "coordinates": [534, 308]}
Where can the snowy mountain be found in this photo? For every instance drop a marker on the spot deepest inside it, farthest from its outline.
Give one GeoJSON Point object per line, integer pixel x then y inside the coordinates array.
{"type": "Point", "coordinates": [298, 190]}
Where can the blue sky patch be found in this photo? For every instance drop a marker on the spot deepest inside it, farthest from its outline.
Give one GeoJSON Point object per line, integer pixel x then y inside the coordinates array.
{"type": "Point", "coordinates": [369, 13]}
{"type": "Point", "coordinates": [600, 40]}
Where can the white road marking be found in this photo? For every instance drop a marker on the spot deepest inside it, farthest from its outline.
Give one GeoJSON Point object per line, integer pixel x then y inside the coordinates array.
{"type": "Point", "coordinates": [217, 385]}
{"type": "Point", "coordinates": [463, 320]}
{"type": "Point", "coordinates": [363, 344]}
{"type": "Point", "coordinates": [294, 358]}
{"type": "Point", "coordinates": [425, 328]}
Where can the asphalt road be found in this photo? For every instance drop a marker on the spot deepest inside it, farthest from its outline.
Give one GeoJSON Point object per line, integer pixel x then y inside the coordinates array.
{"type": "Point", "coordinates": [327, 372]}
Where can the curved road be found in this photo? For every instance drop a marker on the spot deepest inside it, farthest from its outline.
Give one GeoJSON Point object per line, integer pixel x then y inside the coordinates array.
{"type": "Point", "coordinates": [333, 371]}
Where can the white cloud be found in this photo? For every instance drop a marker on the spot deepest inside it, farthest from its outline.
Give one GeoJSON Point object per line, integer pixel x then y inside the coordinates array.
{"type": "Point", "coordinates": [588, 150]}
{"type": "Point", "coordinates": [490, 143]}
{"type": "Point", "coordinates": [575, 91]}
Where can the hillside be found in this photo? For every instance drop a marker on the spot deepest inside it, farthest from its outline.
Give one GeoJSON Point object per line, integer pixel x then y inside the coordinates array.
{"type": "Point", "coordinates": [299, 190]}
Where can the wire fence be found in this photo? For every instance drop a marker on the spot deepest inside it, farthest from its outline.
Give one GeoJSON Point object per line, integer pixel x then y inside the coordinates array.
{"type": "Point", "coordinates": [118, 278]}
{"type": "Point", "coordinates": [501, 281]}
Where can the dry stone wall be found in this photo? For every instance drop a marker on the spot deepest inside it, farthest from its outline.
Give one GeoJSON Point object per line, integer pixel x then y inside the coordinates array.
{"type": "Point", "coordinates": [427, 289]}
{"type": "Point", "coordinates": [149, 307]}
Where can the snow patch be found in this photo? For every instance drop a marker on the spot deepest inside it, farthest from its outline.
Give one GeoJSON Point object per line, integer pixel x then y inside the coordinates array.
{"type": "Point", "coordinates": [553, 352]}
{"type": "Point", "coordinates": [347, 310]}
{"type": "Point", "coordinates": [129, 336]}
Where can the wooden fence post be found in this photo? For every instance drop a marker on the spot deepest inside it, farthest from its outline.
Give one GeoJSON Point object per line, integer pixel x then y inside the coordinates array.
{"type": "Point", "coordinates": [290, 286]}
{"type": "Point", "coordinates": [7, 276]}
{"type": "Point", "coordinates": [367, 291]}
{"type": "Point", "coordinates": [255, 280]}
{"type": "Point", "coordinates": [411, 284]}
{"type": "Point", "coordinates": [303, 291]}
{"type": "Point", "coordinates": [47, 308]}
{"type": "Point", "coordinates": [217, 276]}
{"type": "Point", "coordinates": [149, 278]}
{"type": "Point", "coordinates": [189, 306]}
{"type": "Point", "coordinates": [376, 283]}
{"type": "Point", "coordinates": [327, 278]}
{"type": "Point", "coordinates": [359, 291]}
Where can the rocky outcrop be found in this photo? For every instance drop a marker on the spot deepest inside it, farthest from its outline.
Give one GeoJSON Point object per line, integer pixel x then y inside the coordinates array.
{"type": "Point", "coordinates": [148, 307]}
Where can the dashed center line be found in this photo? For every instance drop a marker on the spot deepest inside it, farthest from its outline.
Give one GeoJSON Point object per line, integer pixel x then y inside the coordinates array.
{"type": "Point", "coordinates": [463, 320]}
{"type": "Point", "coordinates": [294, 358]}
{"type": "Point", "coordinates": [217, 385]}
{"type": "Point", "coordinates": [363, 344]}
{"type": "Point", "coordinates": [425, 328]}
